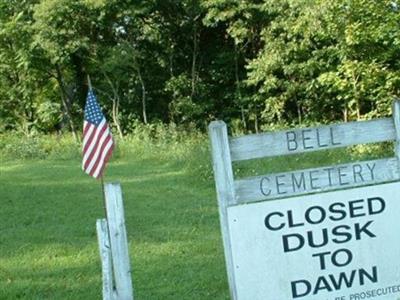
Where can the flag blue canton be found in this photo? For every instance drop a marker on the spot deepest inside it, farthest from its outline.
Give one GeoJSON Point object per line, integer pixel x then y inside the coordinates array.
{"type": "Point", "coordinates": [93, 112]}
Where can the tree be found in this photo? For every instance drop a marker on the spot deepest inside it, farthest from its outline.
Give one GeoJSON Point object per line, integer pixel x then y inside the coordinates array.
{"type": "Point", "coordinates": [242, 23]}
{"type": "Point", "coordinates": [254, 64]}
{"type": "Point", "coordinates": [325, 59]}
{"type": "Point", "coordinates": [23, 80]}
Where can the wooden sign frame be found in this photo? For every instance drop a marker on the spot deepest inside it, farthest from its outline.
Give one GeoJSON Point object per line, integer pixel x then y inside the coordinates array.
{"type": "Point", "coordinates": [231, 192]}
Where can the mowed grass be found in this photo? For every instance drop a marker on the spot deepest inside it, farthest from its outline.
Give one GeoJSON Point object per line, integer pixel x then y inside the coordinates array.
{"type": "Point", "coordinates": [48, 243]}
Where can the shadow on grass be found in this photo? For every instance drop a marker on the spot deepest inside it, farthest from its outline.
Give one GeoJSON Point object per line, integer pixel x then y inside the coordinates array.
{"type": "Point", "coordinates": [50, 282]}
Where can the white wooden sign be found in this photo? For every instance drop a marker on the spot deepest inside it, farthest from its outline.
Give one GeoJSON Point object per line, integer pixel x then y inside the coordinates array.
{"type": "Point", "coordinates": [336, 245]}
{"type": "Point", "coordinates": [284, 239]}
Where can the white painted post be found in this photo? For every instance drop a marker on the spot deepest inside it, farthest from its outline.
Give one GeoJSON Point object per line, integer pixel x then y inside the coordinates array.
{"type": "Point", "coordinates": [105, 255]}
{"type": "Point", "coordinates": [396, 119]}
{"type": "Point", "coordinates": [222, 165]}
{"type": "Point", "coordinates": [118, 241]}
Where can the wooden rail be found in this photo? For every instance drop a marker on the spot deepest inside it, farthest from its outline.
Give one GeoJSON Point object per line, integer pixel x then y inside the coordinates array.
{"type": "Point", "coordinates": [311, 139]}
{"type": "Point", "coordinates": [282, 185]}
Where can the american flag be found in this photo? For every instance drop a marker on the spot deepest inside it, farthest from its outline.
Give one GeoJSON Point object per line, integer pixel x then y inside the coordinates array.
{"type": "Point", "coordinates": [97, 139]}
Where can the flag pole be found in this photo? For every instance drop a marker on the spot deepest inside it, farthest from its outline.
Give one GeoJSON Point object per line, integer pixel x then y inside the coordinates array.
{"type": "Point", "coordinates": [104, 196]}
{"type": "Point", "coordinates": [89, 82]}
{"type": "Point", "coordinates": [101, 177]}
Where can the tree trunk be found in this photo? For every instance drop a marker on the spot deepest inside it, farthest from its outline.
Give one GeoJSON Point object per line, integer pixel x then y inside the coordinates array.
{"type": "Point", "coordinates": [243, 117]}
{"type": "Point", "coordinates": [345, 119]}
{"type": "Point", "coordinates": [66, 102]}
{"type": "Point", "coordinates": [115, 108]}
{"type": "Point", "coordinates": [299, 115]}
{"type": "Point", "coordinates": [144, 112]}
{"type": "Point", "coordinates": [356, 95]}
{"type": "Point", "coordinates": [115, 113]}
{"type": "Point", "coordinates": [171, 61]}
{"type": "Point", "coordinates": [80, 76]}
{"type": "Point", "coordinates": [256, 122]}
{"type": "Point", "coordinates": [238, 89]}
{"type": "Point", "coordinates": [194, 57]}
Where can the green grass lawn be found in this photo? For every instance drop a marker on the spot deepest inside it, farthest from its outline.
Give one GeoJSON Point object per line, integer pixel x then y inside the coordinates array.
{"type": "Point", "coordinates": [49, 207]}
{"type": "Point", "coordinates": [48, 243]}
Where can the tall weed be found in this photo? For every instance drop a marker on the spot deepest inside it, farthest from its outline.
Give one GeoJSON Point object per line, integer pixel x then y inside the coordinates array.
{"type": "Point", "coordinates": [166, 143]}
{"type": "Point", "coordinates": [186, 147]}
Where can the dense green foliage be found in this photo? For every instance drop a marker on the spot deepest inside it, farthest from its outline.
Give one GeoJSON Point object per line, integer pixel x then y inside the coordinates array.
{"type": "Point", "coordinates": [252, 63]}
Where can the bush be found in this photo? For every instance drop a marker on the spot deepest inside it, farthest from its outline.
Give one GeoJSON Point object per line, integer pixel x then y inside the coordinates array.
{"type": "Point", "coordinates": [17, 146]}
{"type": "Point", "coordinates": [185, 146]}
{"type": "Point", "coordinates": [20, 147]}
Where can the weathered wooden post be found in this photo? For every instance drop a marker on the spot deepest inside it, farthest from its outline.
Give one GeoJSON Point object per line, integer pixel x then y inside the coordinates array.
{"type": "Point", "coordinates": [106, 262]}
{"type": "Point", "coordinates": [113, 245]}
{"type": "Point", "coordinates": [222, 166]}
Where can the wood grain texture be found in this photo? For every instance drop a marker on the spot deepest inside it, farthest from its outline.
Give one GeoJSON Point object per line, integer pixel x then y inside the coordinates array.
{"type": "Point", "coordinates": [222, 166]}
{"type": "Point", "coordinates": [311, 139]}
{"type": "Point", "coordinates": [105, 256]}
{"type": "Point", "coordinates": [300, 182]}
{"type": "Point", "coordinates": [118, 241]}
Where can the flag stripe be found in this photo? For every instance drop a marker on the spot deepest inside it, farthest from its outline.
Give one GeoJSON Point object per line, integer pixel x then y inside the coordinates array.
{"type": "Point", "coordinates": [102, 161]}
{"type": "Point", "coordinates": [87, 133]}
{"type": "Point", "coordinates": [92, 145]}
{"type": "Point", "coordinates": [99, 149]}
{"type": "Point", "coordinates": [107, 157]}
{"type": "Point", "coordinates": [94, 154]}
{"type": "Point", "coordinates": [93, 138]}
{"type": "Point", "coordinates": [98, 143]}
{"type": "Point", "coordinates": [99, 161]}
{"type": "Point", "coordinates": [86, 126]}
{"type": "Point", "coordinates": [87, 141]}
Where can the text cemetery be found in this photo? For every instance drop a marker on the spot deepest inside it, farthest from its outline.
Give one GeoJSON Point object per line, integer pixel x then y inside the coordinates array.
{"type": "Point", "coordinates": [311, 180]}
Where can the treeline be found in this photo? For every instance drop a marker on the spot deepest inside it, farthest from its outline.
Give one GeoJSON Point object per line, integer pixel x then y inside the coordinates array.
{"type": "Point", "coordinates": [254, 64]}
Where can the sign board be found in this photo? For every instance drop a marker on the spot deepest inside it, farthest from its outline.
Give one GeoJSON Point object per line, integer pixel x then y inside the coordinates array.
{"type": "Point", "coordinates": [335, 245]}
{"type": "Point", "coordinates": [326, 233]}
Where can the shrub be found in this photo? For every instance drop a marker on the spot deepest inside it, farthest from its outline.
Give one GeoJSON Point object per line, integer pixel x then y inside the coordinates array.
{"type": "Point", "coordinates": [170, 143]}
{"type": "Point", "coordinates": [17, 146]}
